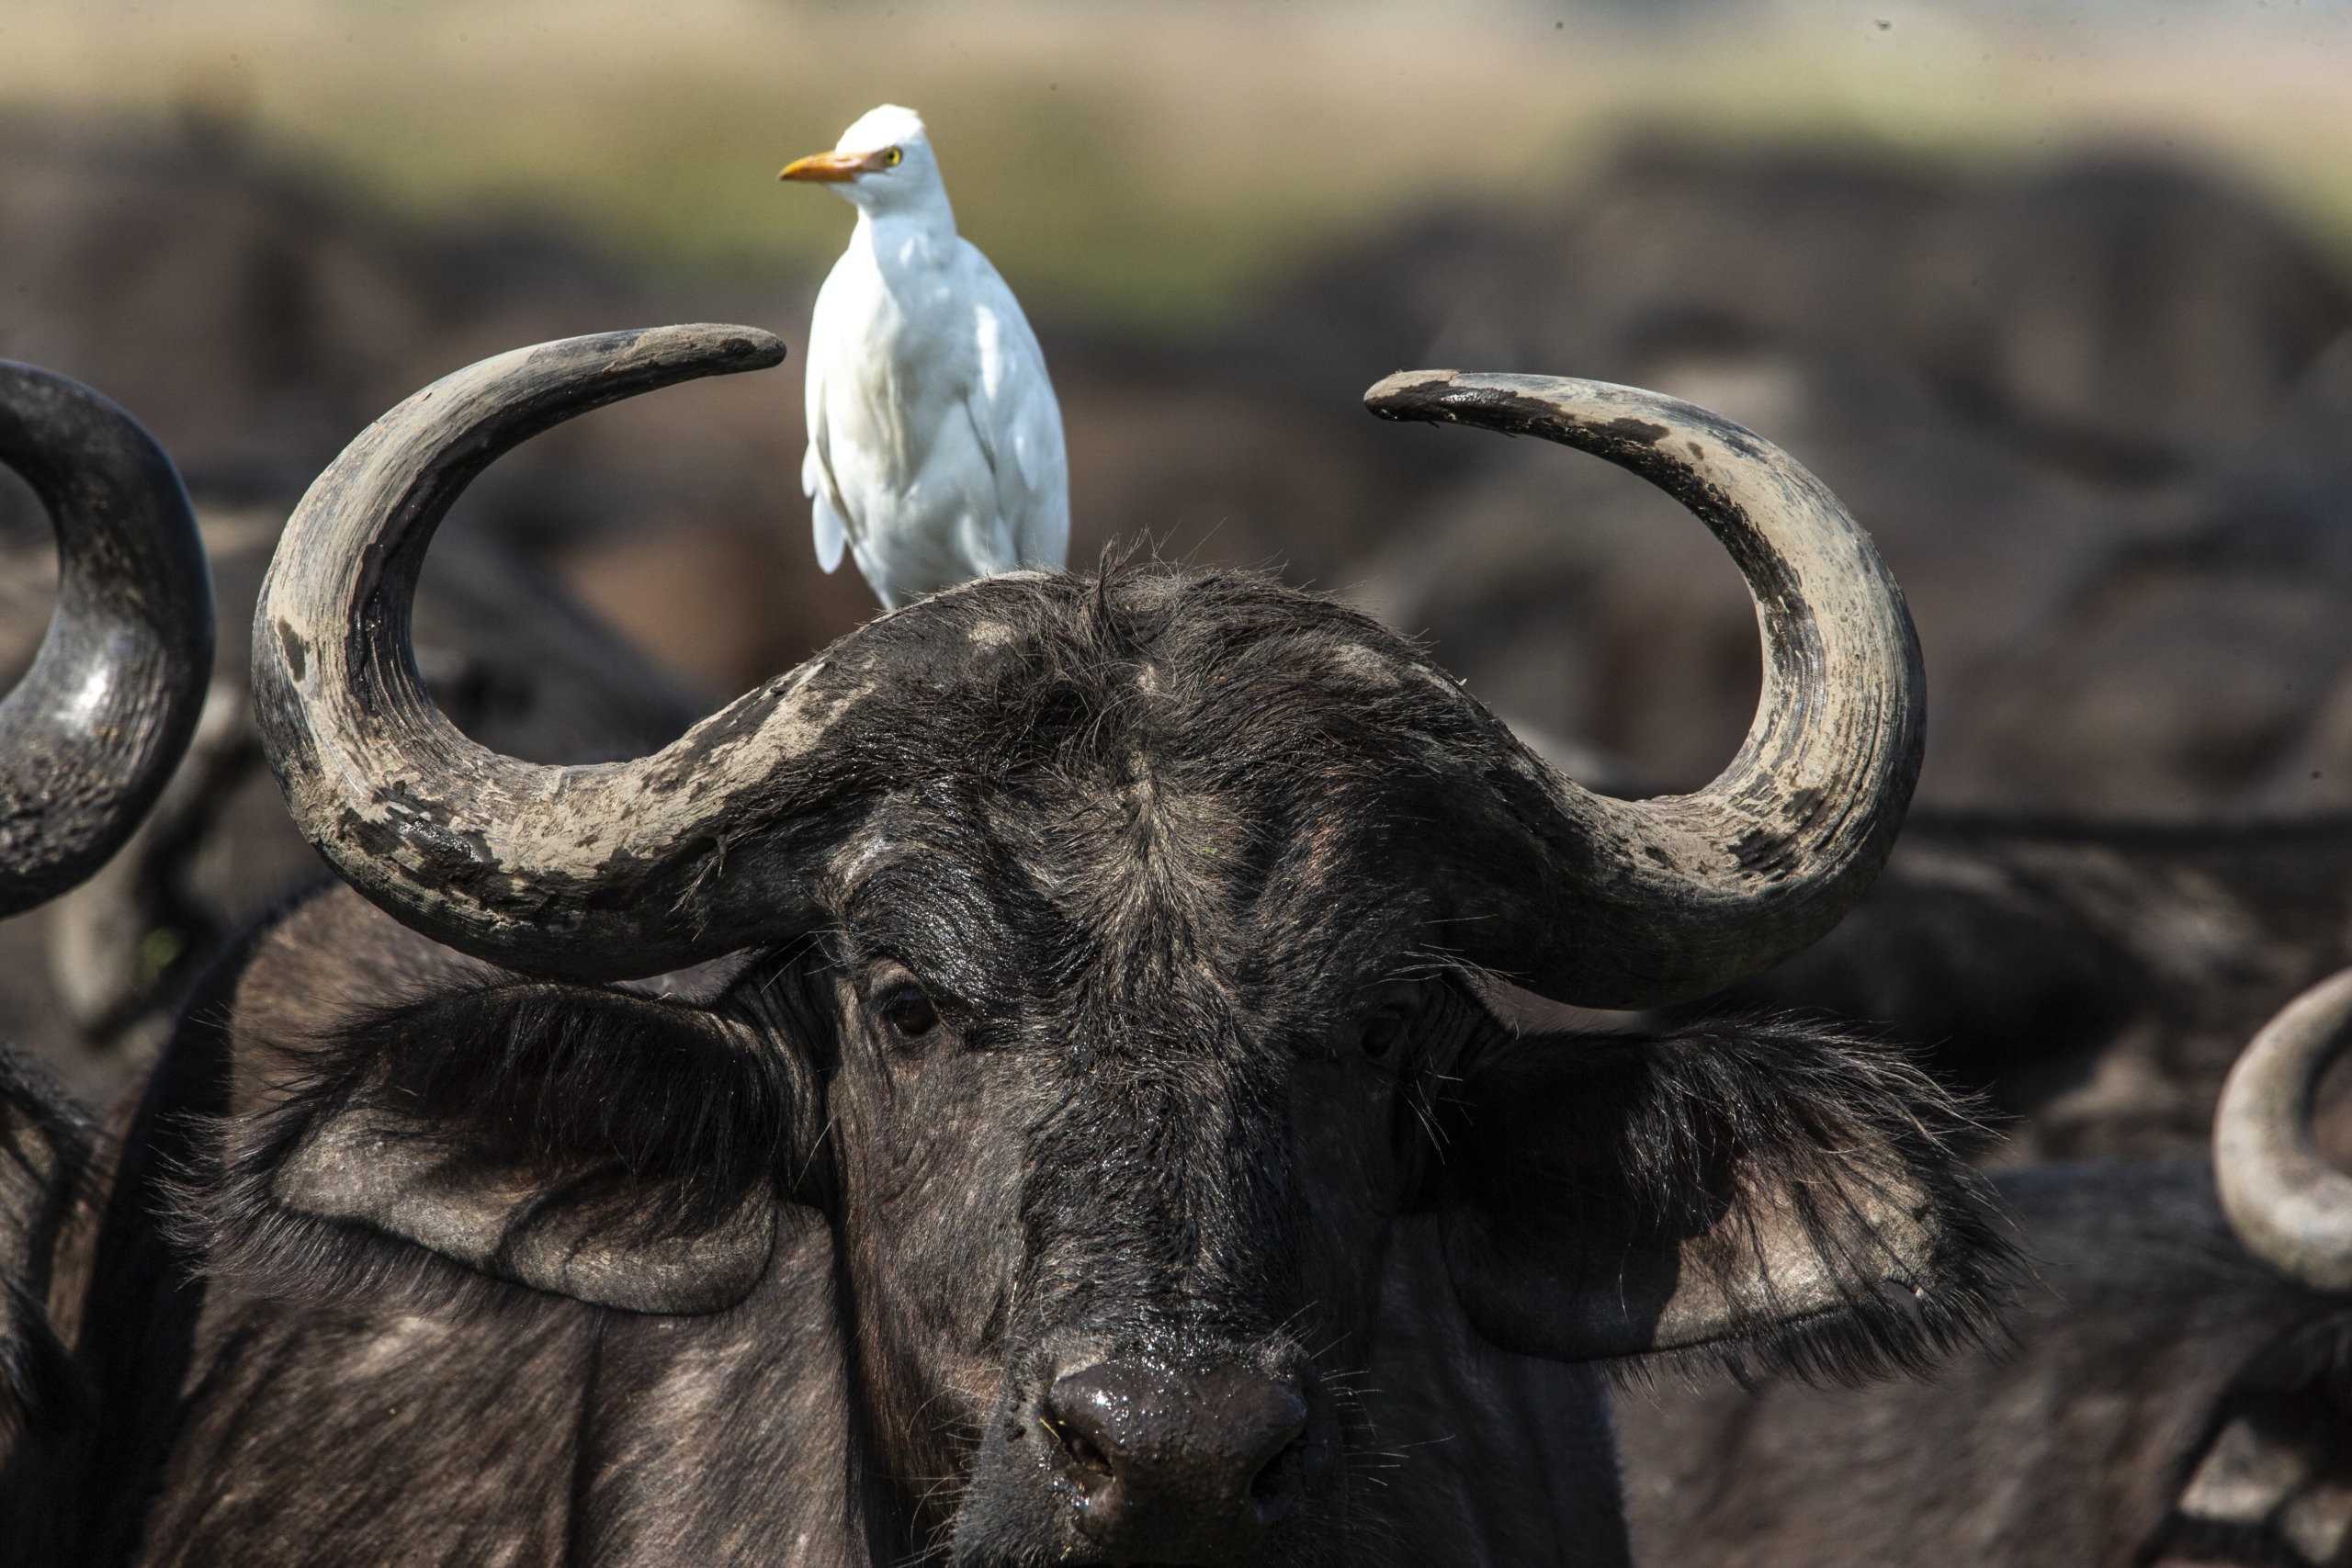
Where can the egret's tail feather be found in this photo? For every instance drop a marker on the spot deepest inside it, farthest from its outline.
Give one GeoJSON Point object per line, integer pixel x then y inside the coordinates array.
{"type": "Point", "coordinates": [830, 535]}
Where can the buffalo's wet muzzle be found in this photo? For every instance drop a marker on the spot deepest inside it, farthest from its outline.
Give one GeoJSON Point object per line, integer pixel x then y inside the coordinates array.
{"type": "Point", "coordinates": [1185, 1468]}
{"type": "Point", "coordinates": [1204, 1463]}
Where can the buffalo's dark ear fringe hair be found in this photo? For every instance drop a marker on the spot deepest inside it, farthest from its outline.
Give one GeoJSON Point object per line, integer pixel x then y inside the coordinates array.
{"type": "Point", "coordinates": [46, 1148]}
{"type": "Point", "coordinates": [665, 1117]}
{"type": "Point", "coordinates": [1651, 1138]}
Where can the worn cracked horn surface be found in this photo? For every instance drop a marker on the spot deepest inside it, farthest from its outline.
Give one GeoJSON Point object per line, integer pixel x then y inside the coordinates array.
{"type": "Point", "coordinates": [91, 734]}
{"type": "Point", "coordinates": [605, 871]}
{"type": "Point", "coordinates": [1627, 904]}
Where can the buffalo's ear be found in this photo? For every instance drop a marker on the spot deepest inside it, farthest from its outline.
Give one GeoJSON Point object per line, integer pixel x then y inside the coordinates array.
{"type": "Point", "coordinates": [1779, 1191]}
{"type": "Point", "coordinates": [602, 1144]}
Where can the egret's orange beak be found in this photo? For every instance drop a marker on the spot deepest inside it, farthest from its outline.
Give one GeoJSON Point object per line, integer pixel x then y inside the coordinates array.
{"type": "Point", "coordinates": [836, 168]}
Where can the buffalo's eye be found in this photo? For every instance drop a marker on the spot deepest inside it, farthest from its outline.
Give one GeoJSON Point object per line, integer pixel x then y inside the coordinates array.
{"type": "Point", "coordinates": [1381, 1032]}
{"type": "Point", "coordinates": [910, 1012]}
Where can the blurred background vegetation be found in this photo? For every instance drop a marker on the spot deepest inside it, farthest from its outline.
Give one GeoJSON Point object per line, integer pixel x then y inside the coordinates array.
{"type": "Point", "coordinates": [1145, 166]}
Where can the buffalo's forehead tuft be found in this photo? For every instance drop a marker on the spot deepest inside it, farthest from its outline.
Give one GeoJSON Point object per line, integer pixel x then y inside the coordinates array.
{"type": "Point", "coordinates": [1196, 779]}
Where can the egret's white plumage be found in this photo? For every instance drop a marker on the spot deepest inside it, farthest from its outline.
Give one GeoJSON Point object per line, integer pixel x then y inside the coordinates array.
{"type": "Point", "coordinates": [934, 442]}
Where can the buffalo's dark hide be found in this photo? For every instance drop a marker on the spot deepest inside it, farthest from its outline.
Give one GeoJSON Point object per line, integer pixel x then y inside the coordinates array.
{"type": "Point", "coordinates": [2117, 314]}
{"type": "Point", "coordinates": [47, 1159]}
{"type": "Point", "coordinates": [2168, 1402]}
{"type": "Point", "coordinates": [2096, 981]}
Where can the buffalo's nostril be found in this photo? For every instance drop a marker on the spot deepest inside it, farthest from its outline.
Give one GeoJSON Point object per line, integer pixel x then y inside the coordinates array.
{"type": "Point", "coordinates": [1276, 1482]}
{"type": "Point", "coordinates": [1166, 1458]}
{"type": "Point", "coordinates": [1086, 1455]}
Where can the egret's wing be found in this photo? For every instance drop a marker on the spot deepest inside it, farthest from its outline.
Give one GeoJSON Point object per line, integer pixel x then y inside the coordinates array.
{"type": "Point", "coordinates": [832, 537]}
{"type": "Point", "coordinates": [825, 508]}
{"type": "Point", "coordinates": [1043, 538]}
{"type": "Point", "coordinates": [829, 515]}
{"type": "Point", "coordinates": [826, 512]}
{"type": "Point", "coordinates": [1038, 503]}
{"type": "Point", "coordinates": [1019, 424]}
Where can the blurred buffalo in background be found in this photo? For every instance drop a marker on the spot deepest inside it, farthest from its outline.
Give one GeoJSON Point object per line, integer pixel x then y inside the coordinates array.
{"type": "Point", "coordinates": [2098, 415]}
{"type": "Point", "coordinates": [2097, 418]}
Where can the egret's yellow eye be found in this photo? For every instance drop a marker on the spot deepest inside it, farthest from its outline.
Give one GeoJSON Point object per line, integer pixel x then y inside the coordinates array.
{"type": "Point", "coordinates": [892, 157]}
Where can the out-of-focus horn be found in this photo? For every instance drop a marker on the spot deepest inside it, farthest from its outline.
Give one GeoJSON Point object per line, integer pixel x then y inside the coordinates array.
{"type": "Point", "coordinates": [91, 734]}
{"type": "Point", "coordinates": [2291, 1208]}
{"type": "Point", "coordinates": [1625, 904]}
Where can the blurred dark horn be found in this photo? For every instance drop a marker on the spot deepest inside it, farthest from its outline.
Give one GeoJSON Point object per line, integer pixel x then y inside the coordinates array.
{"type": "Point", "coordinates": [2290, 1207]}
{"type": "Point", "coordinates": [1628, 904]}
{"type": "Point", "coordinates": [610, 871]}
{"type": "Point", "coordinates": [91, 734]}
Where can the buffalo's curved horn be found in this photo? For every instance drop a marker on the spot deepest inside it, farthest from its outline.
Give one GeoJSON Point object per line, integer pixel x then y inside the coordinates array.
{"type": "Point", "coordinates": [2291, 1208]}
{"type": "Point", "coordinates": [1639, 903]}
{"type": "Point", "coordinates": [605, 871]}
{"type": "Point", "coordinates": [91, 734]}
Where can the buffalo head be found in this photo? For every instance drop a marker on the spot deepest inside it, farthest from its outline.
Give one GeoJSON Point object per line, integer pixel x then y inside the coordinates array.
{"type": "Point", "coordinates": [1102, 960]}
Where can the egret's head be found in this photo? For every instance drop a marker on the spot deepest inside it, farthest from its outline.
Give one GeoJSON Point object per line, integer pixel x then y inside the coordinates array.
{"type": "Point", "coordinates": [883, 163]}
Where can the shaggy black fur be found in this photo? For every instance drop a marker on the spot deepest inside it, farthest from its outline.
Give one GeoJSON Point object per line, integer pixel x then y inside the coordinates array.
{"type": "Point", "coordinates": [141, 1309]}
{"type": "Point", "coordinates": [47, 1147]}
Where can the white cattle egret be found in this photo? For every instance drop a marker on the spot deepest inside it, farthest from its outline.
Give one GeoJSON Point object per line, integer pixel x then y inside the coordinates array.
{"type": "Point", "coordinates": [934, 442]}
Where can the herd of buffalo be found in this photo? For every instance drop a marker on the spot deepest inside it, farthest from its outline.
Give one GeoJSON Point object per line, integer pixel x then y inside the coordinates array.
{"type": "Point", "coordinates": [1404, 1014]}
